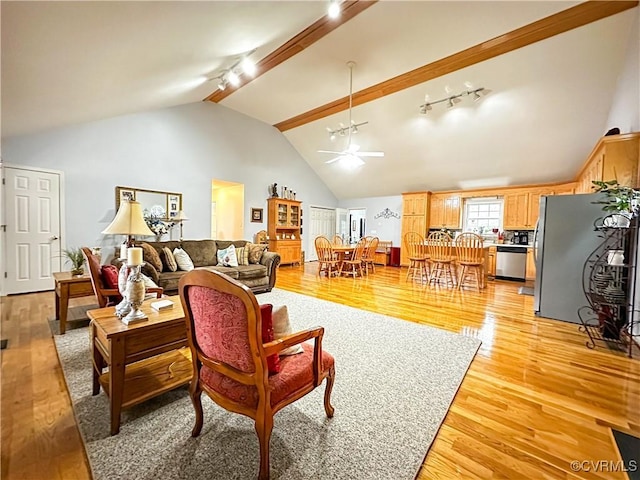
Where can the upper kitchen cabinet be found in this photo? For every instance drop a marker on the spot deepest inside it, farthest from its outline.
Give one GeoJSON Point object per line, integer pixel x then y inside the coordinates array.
{"type": "Point", "coordinates": [446, 211]}
{"type": "Point", "coordinates": [414, 203]}
{"type": "Point", "coordinates": [614, 157]}
{"type": "Point", "coordinates": [516, 210]}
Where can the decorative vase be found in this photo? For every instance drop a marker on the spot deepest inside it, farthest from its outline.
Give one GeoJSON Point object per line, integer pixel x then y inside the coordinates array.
{"type": "Point", "coordinates": [77, 271]}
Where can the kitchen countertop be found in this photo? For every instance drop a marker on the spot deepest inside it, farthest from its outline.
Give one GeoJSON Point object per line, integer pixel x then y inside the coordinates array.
{"type": "Point", "coordinates": [508, 245]}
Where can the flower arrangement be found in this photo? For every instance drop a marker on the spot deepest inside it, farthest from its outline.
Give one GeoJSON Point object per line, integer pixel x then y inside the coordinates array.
{"type": "Point", "coordinates": [157, 224]}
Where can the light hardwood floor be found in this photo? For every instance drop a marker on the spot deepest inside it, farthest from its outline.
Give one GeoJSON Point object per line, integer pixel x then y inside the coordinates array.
{"type": "Point", "coordinates": [534, 399]}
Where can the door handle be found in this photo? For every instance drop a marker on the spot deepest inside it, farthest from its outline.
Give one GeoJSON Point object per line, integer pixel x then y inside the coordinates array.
{"type": "Point", "coordinates": [53, 237]}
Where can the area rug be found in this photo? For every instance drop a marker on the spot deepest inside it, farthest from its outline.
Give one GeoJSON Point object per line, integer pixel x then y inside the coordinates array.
{"type": "Point", "coordinates": [629, 447]}
{"type": "Point", "coordinates": [395, 381]}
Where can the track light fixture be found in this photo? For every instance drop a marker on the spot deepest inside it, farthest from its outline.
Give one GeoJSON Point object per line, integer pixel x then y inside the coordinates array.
{"type": "Point", "coordinates": [344, 130]}
{"type": "Point", "coordinates": [241, 65]}
{"type": "Point", "coordinates": [334, 9]}
{"type": "Point", "coordinates": [452, 100]}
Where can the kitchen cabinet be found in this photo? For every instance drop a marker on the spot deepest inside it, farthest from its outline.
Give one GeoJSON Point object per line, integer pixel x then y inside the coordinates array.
{"type": "Point", "coordinates": [522, 207]}
{"type": "Point", "coordinates": [283, 228]}
{"type": "Point", "coordinates": [613, 157]}
{"type": "Point", "coordinates": [516, 210]}
{"type": "Point", "coordinates": [415, 218]}
{"type": "Point", "coordinates": [445, 211]}
{"type": "Point", "coordinates": [490, 261]}
{"type": "Point", "coordinates": [414, 204]}
{"type": "Point", "coordinates": [530, 273]}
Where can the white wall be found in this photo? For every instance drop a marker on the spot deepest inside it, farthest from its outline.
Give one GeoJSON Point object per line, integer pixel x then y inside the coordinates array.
{"type": "Point", "coordinates": [384, 228]}
{"type": "Point", "coordinates": [179, 149]}
{"type": "Point", "coordinates": [625, 108]}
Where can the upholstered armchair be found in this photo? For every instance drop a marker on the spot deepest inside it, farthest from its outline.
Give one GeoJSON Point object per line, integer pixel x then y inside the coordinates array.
{"type": "Point", "coordinates": [233, 352]}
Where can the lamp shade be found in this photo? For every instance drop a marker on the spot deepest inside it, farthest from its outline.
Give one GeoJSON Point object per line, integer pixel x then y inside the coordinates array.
{"type": "Point", "coordinates": [180, 217]}
{"type": "Point", "coordinates": [129, 221]}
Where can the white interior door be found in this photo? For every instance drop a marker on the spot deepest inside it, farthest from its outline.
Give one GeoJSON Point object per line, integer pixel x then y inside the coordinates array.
{"type": "Point", "coordinates": [33, 230]}
{"type": "Point", "coordinates": [323, 222]}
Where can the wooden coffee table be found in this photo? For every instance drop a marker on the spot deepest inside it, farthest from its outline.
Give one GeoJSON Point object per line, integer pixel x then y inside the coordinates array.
{"type": "Point", "coordinates": [144, 359]}
{"type": "Point", "coordinates": [69, 286]}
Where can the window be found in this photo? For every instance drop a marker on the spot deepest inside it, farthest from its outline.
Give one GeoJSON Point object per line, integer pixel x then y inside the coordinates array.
{"type": "Point", "coordinates": [482, 216]}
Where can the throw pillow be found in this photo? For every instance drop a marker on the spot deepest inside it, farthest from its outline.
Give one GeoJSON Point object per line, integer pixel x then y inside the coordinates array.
{"type": "Point", "coordinates": [168, 260]}
{"type": "Point", "coordinates": [182, 259]}
{"type": "Point", "coordinates": [149, 255]}
{"type": "Point", "coordinates": [242, 253]}
{"type": "Point", "coordinates": [227, 257]}
{"type": "Point", "coordinates": [109, 274]}
{"type": "Point", "coordinates": [273, 361]}
{"type": "Point", "coordinates": [282, 328]}
{"type": "Point", "coordinates": [255, 252]}
{"type": "Point", "coordinates": [148, 283]}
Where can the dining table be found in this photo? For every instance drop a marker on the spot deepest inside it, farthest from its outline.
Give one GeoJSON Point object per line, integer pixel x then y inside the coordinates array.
{"type": "Point", "coordinates": [343, 251]}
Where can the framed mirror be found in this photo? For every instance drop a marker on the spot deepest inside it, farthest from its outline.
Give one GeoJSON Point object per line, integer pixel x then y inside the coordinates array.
{"type": "Point", "coordinates": [162, 205]}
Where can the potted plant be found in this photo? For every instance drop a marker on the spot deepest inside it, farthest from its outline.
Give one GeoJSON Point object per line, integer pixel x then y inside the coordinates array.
{"type": "Point", "coordinates": [75, 257]}
{"type": "Point", "coordinates": [621, 202]}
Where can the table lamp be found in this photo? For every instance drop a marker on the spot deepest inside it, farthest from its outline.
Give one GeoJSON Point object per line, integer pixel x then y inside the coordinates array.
{"type": "Point", "coordinates": [180, 218]}
{"type": "Point", "coordinates": [128, 221]}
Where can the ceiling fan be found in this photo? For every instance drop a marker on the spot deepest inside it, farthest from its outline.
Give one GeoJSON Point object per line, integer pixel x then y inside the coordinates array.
{"type": "Point", "coordinates": [352, 153]}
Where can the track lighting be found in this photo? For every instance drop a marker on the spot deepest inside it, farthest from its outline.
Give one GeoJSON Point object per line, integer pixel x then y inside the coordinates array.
{"type": "Point", "coordinates": [334, 9]}
{"type": "Point", "coordinates": [342, 130]}
{"type": "Point", "coordinates": [452, 100]}
{"type": "Point", "coordinates": [231, 75]}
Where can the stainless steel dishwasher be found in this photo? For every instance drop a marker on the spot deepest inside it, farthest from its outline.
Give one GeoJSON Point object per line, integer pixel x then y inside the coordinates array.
{"type": "Point", "coordinates": [511, 262]}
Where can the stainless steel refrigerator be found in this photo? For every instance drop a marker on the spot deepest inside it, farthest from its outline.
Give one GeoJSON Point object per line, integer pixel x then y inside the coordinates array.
{"type": "Point", "coordinates": [564, 238]}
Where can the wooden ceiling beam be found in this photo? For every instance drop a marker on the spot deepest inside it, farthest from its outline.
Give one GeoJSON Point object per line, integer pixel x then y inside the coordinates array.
{"type": "Point", "coordinates": [297, 44]}
{"type": "Point", "coordinates": [550, 26]}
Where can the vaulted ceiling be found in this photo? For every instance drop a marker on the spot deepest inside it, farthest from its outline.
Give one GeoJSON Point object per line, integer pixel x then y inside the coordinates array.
{"type": "Point", "coordinates": [551, 81]}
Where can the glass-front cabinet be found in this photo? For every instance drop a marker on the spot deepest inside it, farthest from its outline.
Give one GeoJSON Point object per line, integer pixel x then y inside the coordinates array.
{"type": "Point", "coordinates": [284, 229]}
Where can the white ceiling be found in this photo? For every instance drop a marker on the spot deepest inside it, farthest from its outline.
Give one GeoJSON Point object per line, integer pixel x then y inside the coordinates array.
{"type": "Point", "coordinates": [72, 62]}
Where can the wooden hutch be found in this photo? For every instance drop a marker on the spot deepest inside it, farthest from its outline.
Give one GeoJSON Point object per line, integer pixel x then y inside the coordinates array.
{"type": "Point", "coordinates": [284, 223]}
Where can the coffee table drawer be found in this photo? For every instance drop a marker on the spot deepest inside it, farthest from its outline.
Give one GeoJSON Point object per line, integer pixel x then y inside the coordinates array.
{"type": "Point", "coordinates": [154, 341]}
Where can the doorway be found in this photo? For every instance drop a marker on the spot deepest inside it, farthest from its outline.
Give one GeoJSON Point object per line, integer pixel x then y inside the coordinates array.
{"type": "Point", "coordinates": [323, 222]}
{"type": "Point", "coordinates": [227, 210]}
{"type": "Point", "coordinates": [357, 224]}
{"type": "Point", "coordinates": [33, 229]}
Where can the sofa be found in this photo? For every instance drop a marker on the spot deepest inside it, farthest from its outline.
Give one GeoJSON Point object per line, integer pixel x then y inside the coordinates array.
{"type": "Point", "coordinates": [260, 277]}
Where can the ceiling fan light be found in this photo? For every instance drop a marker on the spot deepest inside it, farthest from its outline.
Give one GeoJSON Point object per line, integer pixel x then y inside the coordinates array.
{"type": "Point", "coordinates": [334, 9]}
{"type": "Point", "coordinates": [233, 78]}
{"type": "Point", "coordinates": [222, 84]}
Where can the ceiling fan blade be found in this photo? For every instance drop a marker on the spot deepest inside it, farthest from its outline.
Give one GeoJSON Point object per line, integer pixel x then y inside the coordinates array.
{"type": "Point", "coordinates": [330, 151]}
{"type": "Point", "coordinates": [370, 154]}
{"type": "Point", "coordinates": [333, 159]}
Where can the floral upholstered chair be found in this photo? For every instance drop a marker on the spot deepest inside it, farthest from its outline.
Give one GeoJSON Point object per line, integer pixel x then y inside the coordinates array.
{"type": "Point", "coordinates": [235, 358]}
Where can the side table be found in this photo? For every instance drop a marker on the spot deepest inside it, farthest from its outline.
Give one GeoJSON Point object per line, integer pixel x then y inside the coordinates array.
{"type": "Point", "coordinates": [142, 360]}
{"type": "Point", "coordinates": [69, 286]}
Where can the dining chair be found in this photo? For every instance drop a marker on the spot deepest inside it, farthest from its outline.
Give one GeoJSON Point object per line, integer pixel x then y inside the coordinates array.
{"type": "Point", "coordinates": [354, 263]}
{"type": "Point", "coordinates": [369, 254]}
{"type": "Point", "coordinates": [327, 259]}
{"type": "Point", "coordinates": [440, 250]}
{"type": "Point", "coordinates": [230, 357]}
{"type": "Point", "coordinates": [337, 240]}
{"type": "Point", "coordinates": [470, 256]}
{"type": "Point", "coordinates": [418, 257]}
